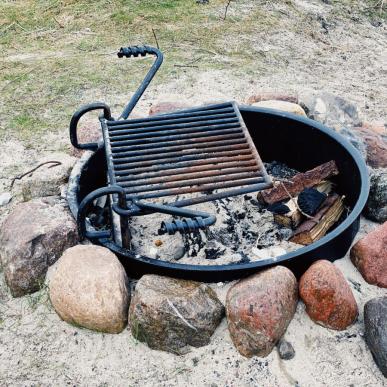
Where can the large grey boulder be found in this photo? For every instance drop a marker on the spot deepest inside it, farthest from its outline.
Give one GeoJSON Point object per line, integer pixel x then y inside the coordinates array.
{"type": "Point", "coordinates": [170, 314]}
{"type": "Point", "coordinates": [375, 330]}
{"type": "Point", "coordinates": [330, 109]}
{"type": "Point", "coordinates": [32, 237]}
{"type": "Point", "coordinates": [89, 288]}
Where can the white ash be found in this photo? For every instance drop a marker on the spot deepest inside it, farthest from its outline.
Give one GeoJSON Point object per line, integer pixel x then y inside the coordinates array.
{"type": "Point", "coordinates": [244, 231]}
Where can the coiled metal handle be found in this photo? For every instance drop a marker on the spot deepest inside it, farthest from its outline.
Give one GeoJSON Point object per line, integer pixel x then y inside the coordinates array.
{"type": "Point", "coordinates": [186, 225]}
{"type": "Point", "coordinates": [192, 220]}
{"type": "Point", "coordinates": [136, 51]}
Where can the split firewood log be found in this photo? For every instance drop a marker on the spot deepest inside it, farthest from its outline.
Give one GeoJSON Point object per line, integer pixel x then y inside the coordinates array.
{"type": "Point", "coordinates": [314, 229]}
{"type": "Point", "coordinates": [297, 183]}
{"type": "Point", "coordinates": [294, 217]}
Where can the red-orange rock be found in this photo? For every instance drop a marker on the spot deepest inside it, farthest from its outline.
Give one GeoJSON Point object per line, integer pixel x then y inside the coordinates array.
{"type": "Point", "coordinates": [327, 296]}
{"type": "Point", "coordinates": [259, 309]}
{"type": "Point", "coordinates": [376, 147]}
{"type": "Point", "coordinates": [369, 255]}
{"type": "Point", "coordinates": [166, 107]}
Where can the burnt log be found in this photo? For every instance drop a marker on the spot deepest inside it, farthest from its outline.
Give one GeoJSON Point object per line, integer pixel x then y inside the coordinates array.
{"type": "Point", "coordinates": [294, 217]}
{"type": "Point", "coordinates": [298, 183]}
{"type": "Point", "coordinates": [314, 229]}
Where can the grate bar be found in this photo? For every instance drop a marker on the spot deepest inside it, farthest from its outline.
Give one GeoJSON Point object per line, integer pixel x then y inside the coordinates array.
{"type": "Point", "coordinates": [203, 124]}
{"type": "Point", "coordinates": [224, 108]}
{"type": "Point", "coordinates": [178, 122]}
{"type": "Point", "coordinates": [175, 131]}
{"type": "Point", "coordinates": [188, 183]}
{"type": "Point", "coordinates": [186, 167]}
{"type": "Point", "coordinates": [203, 188]}
{"type": "Point", "coordinates": [215, 145]}
{"type": "Point", "coordinates": [141, 180]}
{"type": "Point", "coordinates": [176, 139]}
{"type": "Point", "coordinates": [203, 157]}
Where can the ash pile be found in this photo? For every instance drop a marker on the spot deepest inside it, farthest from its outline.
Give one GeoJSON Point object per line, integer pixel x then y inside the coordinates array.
{"type": "Point", "coordinates": [299, 209]}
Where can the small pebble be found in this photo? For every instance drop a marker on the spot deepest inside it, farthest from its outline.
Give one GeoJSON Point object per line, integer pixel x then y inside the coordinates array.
{"type": "Point", "coordinates": [285, 350]}
{"type": "Point", "coordinates": [270, 252]}
{"type": "Point", "coordinates": [5, 198]}
{"type": "Point", "coordinates": [158, 242]}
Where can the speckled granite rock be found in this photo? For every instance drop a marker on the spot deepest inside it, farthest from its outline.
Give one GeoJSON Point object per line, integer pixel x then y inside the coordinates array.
{"type": "Point", "coordinates": [369, 255]}
{"type": "Point", "coordinates": [33, 237]}
{"type": "Point", "coordinates": [259, 309]}
{"type": "Point", "coordinates": [327, 296]}
{"type": "Point", "coordinates": [48, 179]}
{"type": "Point", "coordinates": [330, 109]}
{"type": "Point", "coordinates": [375, 330]}
{"type": "Point", "coordinates": [89, 288]}
{"type": "Point", "coordinates": [376, 207]}
{"type": "Point", "coordinates": [170, 314]}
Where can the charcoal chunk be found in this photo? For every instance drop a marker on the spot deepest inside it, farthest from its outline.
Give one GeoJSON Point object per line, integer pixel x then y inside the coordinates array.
{"type": "Point", "coordinates": [310, 200]}
{"type": "Point", "coordinates": [279, 208]}
{"type": "Point", "coordinates": [213, 253]}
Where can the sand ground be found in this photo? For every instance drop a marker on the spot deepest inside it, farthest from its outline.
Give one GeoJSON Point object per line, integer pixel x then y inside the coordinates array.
{"type": "Point", "coordinates": [38, 349]}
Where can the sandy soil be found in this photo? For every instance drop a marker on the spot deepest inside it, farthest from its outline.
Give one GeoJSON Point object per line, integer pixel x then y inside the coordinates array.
{"type": "Point", "coordinates": [37, 348]}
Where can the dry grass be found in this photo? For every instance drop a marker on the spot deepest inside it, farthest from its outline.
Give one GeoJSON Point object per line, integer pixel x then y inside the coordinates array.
{"type": "Point", "coordinates": [56, 54]}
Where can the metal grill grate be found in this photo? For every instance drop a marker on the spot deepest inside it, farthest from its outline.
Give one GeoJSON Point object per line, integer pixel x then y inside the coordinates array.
{"type": "Point", "coordinates": [204, 153]}
{"type": "Point", "coordinates": [205, 149]}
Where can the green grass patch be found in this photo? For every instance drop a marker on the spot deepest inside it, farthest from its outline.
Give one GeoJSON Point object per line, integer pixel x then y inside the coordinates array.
{"type": "Point", "coordinates": [56, 52]}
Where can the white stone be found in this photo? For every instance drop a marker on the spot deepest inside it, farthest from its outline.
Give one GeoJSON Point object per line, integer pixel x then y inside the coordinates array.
{"type": "Point", "coordinates": [260, 253]}
{"type": "Point", "coordinates": [269, 252]}
{"type": "Point", "coordinates": [281, 105]}
{"type": "Point", "coordinates": [277, 251]}
{"type": "Point", "coordinates": [5, 198]}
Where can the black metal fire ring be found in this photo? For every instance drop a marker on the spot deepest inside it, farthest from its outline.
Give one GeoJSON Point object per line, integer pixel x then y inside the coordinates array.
{"type": "Point", "coordinates": [328, 144]}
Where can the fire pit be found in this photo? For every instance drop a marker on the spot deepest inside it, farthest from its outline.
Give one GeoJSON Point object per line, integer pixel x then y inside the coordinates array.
{"type": "Point", "coordinates": [299, 143]}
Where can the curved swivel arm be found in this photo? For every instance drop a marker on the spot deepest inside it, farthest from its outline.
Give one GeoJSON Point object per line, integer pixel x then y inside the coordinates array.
{"type": "Point", "coordinates": [142, 51]}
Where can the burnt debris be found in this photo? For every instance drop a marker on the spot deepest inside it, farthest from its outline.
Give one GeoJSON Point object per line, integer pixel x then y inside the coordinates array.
{"type": "Point", "coordinates": [310, 200]}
